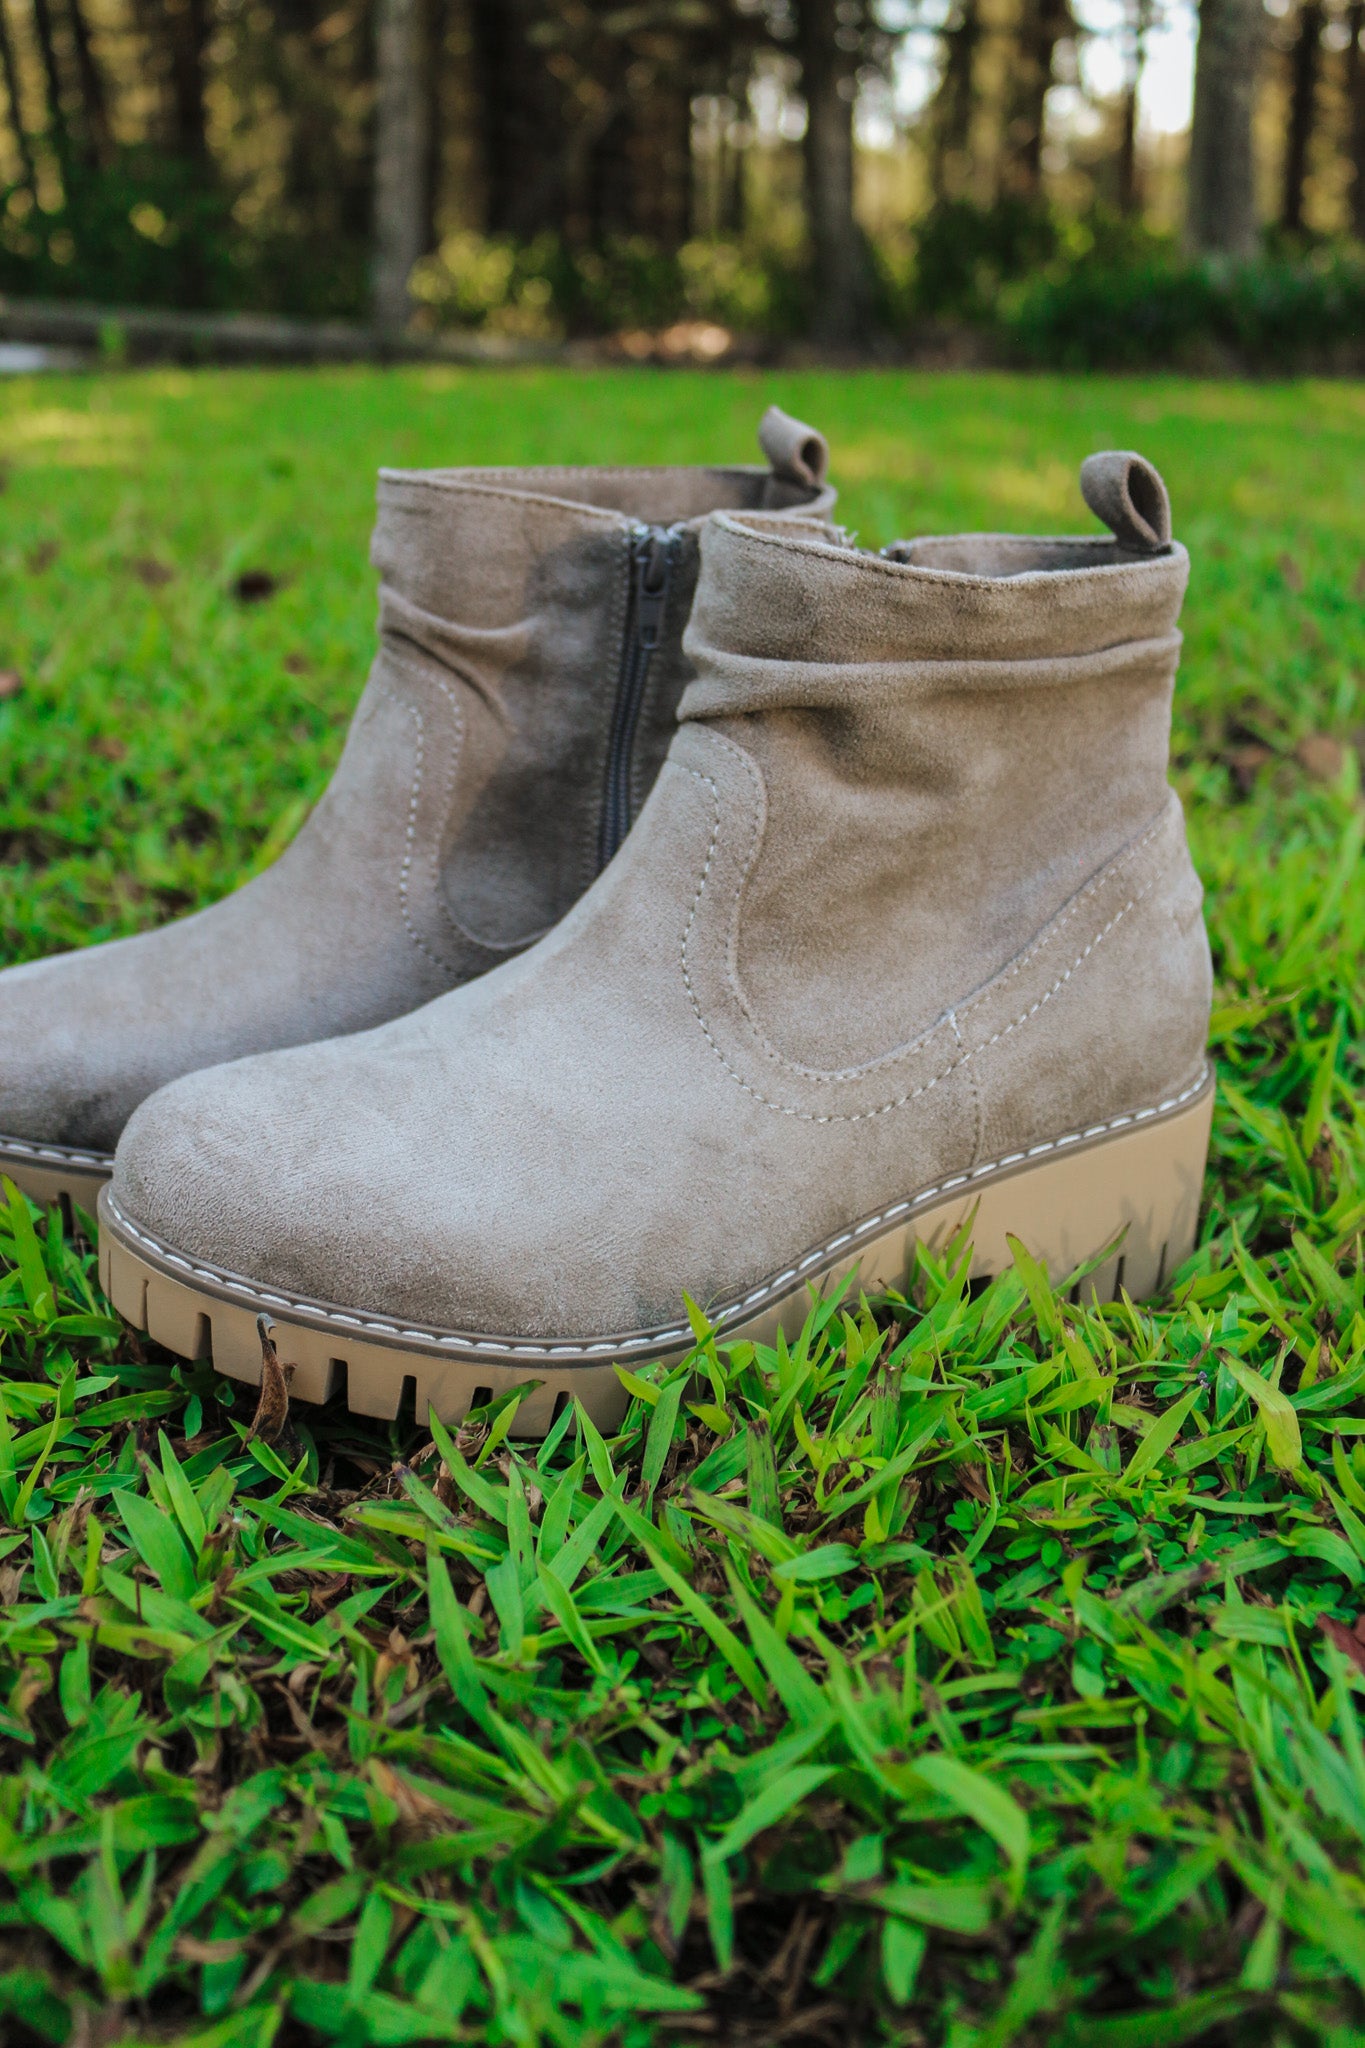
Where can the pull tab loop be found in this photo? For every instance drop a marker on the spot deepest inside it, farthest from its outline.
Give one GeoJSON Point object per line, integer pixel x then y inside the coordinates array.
{"type": "Point", "coordinates": [1126, 492]}
{"type": "Point", "coordinates": [797, 453]}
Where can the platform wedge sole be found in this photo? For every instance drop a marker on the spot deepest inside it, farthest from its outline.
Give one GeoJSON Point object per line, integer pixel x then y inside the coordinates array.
{"type": "Point", "coordinates": [1132, 1183]}
{"type": "Point", "coordinates": [55, 1173]}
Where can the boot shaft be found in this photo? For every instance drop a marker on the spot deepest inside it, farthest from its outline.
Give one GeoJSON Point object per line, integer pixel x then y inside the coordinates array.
{"type": "Point", "coordinates": [531, 627]}
{"type": "Point", "coordinates": [952, 737]}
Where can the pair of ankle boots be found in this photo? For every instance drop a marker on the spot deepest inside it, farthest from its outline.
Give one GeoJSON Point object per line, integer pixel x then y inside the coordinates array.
{"type": "Point", "coordinates": [619, 966]}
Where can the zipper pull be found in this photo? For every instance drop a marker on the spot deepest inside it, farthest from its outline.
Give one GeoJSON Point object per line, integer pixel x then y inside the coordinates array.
{"type": "Point", "coordinates": [653, 575]}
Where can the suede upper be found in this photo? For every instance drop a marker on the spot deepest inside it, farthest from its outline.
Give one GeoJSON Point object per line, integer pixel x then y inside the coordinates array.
{"type": "Point", "coordinates": [462, 820]}
{"type": "Point", "coordinates": [910, 895]}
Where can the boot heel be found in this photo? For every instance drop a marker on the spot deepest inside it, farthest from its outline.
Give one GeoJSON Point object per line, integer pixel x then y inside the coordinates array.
{"type": "Point", "coordinates": [1139, 1184]}
{"type": "Point", "coordinates": [1134, 1183]}
{"type": "Point", "coordinates": [55, 1173]}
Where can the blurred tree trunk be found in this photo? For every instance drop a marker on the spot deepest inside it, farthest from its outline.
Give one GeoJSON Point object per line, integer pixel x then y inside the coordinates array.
{"type": "Point", "coordinates": [1303, 96]}
{"type": "Point", "coordinates": [185, 32]}
{"type": "Point", "coordinates": [1355, 98]}
{"type": "Point", "coordinates": [522, 129]}
{"type": "Point", "coordinates": [955, 99]}
{"type": "Point", "coordinates": [828, 82]}
{"type": "Point", "coordinates": [603, 191]}
{"type": "Point", "coordinates": [10, 73]}
{"type": "Point", "coordinates": [55, 125]}
{"type": "Point", "coordinates": [400, 158]}
{"type": "Point", "coordinates": [734, 186]}
{"type": "Point", "coordinates": [1221, 211]}
{"type": "Point", "coordinates": [659, 158]}
{"type": "Point", "coordinates": [438, 26]}
{"type": "Point", "coordinates": [1130, 176]}
{"type": "Point", "coordinates": [94, 103]}
{"type": "Point", "coordinates": [1042, 25]}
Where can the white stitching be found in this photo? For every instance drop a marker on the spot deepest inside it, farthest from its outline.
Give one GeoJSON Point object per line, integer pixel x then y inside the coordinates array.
{"type": "Point", "coordinates": [454, 755]}
{"type": "Point", "coordinates": [863, 1115]}
{"type": "Point", "coordinates": [499, 949]}
{"type": "Point", "coordinates": [536, 503]}
{"type": "Point", "coordinates": [60, 1155]}
{"type": "Point", "coordinates": [446, 966]}
{"type": "Point", "coordinates": [1039, 944]}
{"type": "Point", "coordinates": [727, 1314]}
{"type": "Point", "coordinates": [423, 677]}
{"type": "Point", "coordinates": [735, 521]}
{"type": "Point", "coordinates": [1121, 860]}
{"type": "Point", "coordinates": [973, 1090]}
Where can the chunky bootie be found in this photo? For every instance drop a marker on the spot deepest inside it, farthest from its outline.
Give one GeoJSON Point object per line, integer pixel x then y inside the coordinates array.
{"type": "Point", "coordinates": [907, 933]}
{"type": "Point", "coordinates": [523, 699]}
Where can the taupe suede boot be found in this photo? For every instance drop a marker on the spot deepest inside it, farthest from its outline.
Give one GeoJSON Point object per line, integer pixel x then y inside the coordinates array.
{"type": "Point", "coordinates": [907, 929]}
{"type": "Point", "coordinates": [521, 704]}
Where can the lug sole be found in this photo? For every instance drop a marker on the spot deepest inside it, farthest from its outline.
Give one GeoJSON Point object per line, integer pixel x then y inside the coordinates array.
{"type": "Point", "coordinates": [55, 1173]}
{"type": "Point", "coordinates": [1134, 1183]}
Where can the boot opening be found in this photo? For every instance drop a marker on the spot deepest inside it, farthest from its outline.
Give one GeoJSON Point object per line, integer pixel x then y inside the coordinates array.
{"type": "Point", "coordinates": [997, 556]}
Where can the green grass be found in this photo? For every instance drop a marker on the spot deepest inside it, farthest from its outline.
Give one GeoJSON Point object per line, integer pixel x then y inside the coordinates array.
{"type": "Point", "coordinates": [976, 1672]}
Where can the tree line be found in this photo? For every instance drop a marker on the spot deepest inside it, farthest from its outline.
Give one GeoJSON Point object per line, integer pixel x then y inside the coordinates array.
{"type": "Point", "coordinates": [308, 152]}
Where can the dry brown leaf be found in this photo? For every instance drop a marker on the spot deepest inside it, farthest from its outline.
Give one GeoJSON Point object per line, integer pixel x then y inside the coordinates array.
{"type": "Point", "coordinates": [1321, 756]}
{"type": "Point", "coordinates": [272, 1410]}
{"type": "Point", "coordinates": [303, 1725]}
{"type": "Point", "coordinates": [151, 572]}
{"type": "Point", "coordinates": [1347, 1640]}
{"type": "Point", "coordinates": [1291, 572]}
{"type": "Point", "coordinates": [33, 1683]}
{"type": "Point", "coordinates": [96, 2029]}
{"type": "Point", "coordinates": [323, 1592]}
{"type": "Point", "coordinates": [972, 1480]}
{"type": "Point", "coordinates": [254, 585]}
{"type": "Point", "coordinates": [397, 1654]}
{"type": "Point", "coordinates": [1246, 762]}
{"type": "Point", "coordinates": [11, 683]}
{"type": "Point", "coordinates": [414, 1804]}
{"type": "Point", "coordinates": [193, 1950]}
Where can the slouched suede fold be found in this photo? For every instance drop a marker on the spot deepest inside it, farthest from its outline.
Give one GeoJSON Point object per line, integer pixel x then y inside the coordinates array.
{"type": "Point", "coordinates": [463, 819]}
{"type": "Point", "coordinates": [909, 903]}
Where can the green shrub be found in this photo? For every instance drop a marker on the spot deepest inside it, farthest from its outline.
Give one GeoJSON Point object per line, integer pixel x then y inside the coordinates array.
{"type": "Point", "coordinates": [965, 253]}
{"type": "Point", "coordinates": [752, 289]}
{"type": "Point", "coordinates": [154, 230]}
{"type": "Point", "coordinates": [546, 290]}
{"type": "Point", "coordinates": [1279, 312]}
{"type": "Point", "coordinates": [148, 231]}
{"type": "Point", "coordinates": [1101, 313]}
{"type": "Point", "coordinates": [475, 282]}
{"type": "Point", "coordinates": [1289, 309]}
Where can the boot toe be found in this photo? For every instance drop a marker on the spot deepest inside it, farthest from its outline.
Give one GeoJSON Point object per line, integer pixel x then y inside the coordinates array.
{"type": "Point", "coordinates": [282, 1171]}
{"type": "Point", "coordinates": [199, 1169]}
{"type": "Point", "coordinates": [308, 1174]}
